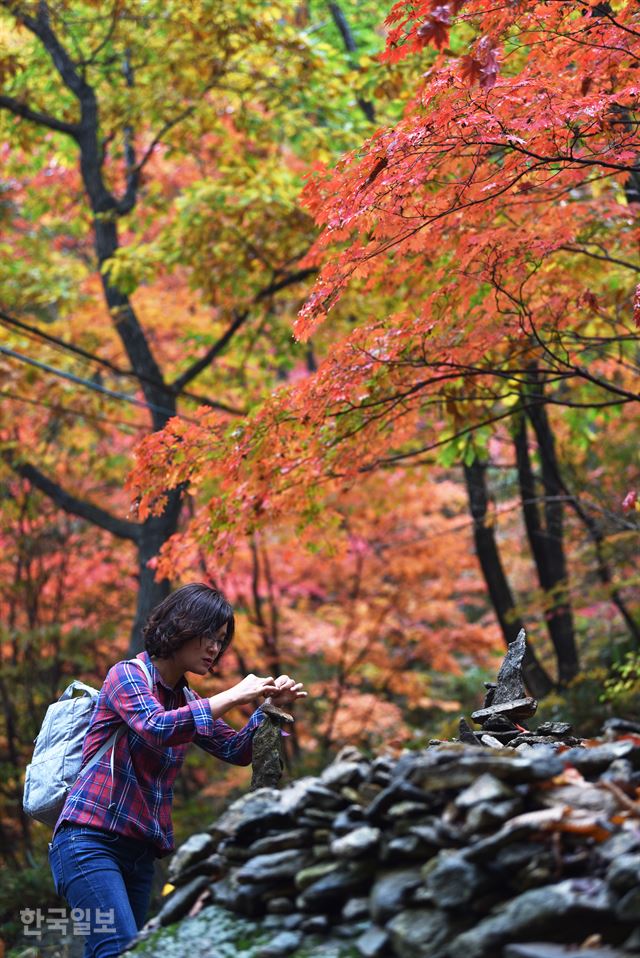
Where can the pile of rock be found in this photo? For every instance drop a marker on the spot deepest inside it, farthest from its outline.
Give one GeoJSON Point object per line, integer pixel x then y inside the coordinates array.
{"type": "Point", "coordinates": [477, 848]}
{"type": "Point", "coordinates": [458, 850]}
{"type": "Point", "coordinates": [506, 705]}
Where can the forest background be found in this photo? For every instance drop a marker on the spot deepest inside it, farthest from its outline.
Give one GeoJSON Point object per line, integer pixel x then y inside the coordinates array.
{"type": "Point", "coordinates": [334, 306]}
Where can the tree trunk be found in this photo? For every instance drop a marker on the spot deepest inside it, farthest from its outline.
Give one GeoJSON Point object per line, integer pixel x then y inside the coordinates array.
{"type": "Point", "coordinates": [538, 681]}
{"type": "Point", "coordinates": [154, 533]}
{"type": "Point", "coordinates": [547, 547]}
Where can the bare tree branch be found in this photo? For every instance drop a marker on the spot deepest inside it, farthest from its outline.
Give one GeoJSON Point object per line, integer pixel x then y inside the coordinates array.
{"type": "Point", "coordinates": [121, 528]}
{"type": "Point", "coordinates": [43, 119]}
{"type": "Point", "coordinates": [239, 320]}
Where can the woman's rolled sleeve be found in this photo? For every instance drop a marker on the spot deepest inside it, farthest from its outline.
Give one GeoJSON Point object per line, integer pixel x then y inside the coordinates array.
{"type": "Point", "coordinates": [234, 747]}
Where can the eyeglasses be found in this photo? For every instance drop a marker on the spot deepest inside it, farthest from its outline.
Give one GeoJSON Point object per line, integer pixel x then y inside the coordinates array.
{"type": "Point", "coordinates": [211, 642]}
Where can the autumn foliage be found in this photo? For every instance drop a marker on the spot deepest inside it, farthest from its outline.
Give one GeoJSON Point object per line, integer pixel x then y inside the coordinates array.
{"type": "Point", "coordinates": [304, 295]}
{"type": "Point", "coordinates": [479, 259]}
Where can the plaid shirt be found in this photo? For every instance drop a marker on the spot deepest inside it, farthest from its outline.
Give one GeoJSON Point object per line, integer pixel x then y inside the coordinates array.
{"type": "Point", "coordinates": [137, 801]}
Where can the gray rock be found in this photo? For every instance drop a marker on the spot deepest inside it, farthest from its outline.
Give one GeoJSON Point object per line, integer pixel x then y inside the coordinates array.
{"type": "Point", "coordinates": [421, 933]}
{"type": "Point", "coordinates": [351, 929]}
{"type": "Point", "coordinates": [294, 838]}
{"type": "Point", "coordinates": [324, 799]}
{"type": "Point", "coordinates": [511, 831]}
{"type": "Point", "coordinates": [248, 900]}
{"type": "Point", "coordinates": [391, 891]}
{"type": "Point", "coordinates": [180, 901]}
{"type": "Point", "coordinates": [618, 726]}
{"type": "Point", "coordinates": [435, 834]}
{"type": "Point", "coordinates": [455, 770]}
{"type": "Point", "coordinates": [490, 814]}
{"type": "Point", "coordinates": [267, 763]}
{"type": "Point", "coordinates": [592, 761]}
{"type": "Point", "coordinates": [486, 788]}
{"type": "Point", "coordinates": [564, 910]}
{"type": "Point", "coordinates": [349, 819]}
{"type": "Point", "coordinates": [510, 682]}
{"type": "Point", "coordinates": [454, 882]}
{"type": "Point", "coordinates": [356, 844]}
{"type": "Point", "coordinates": [407, 809]}
{"type": "Point", "coordinates": [332, 889]}
{"type": "Point", "coordinates": [296, 796]}
{"type": "Point", "coordinates": [554, 728]}
{"type": "Point", "coordinates": [193, 850]}
{"type": "Point", "coordinates": [394, 794]}
{"type": "Point", "coordinates": [355, 909]}
{"type": "Point", "coordinates": [214, 866]}
{"type": "Point", "coordinates": [373, 943]}
{"type": "Point", "coordinates": [520, 708]}
{"type": "Point", "coordinates": [509, 860]}
{"type": "Point", "coordinates": [252, 815]}
{"type": "Point", "coordinates": [283, 944]}
{"type": "Point", "coordinates": [315, 924]}
{"type": "Point", "coordinates": [490, 741]}
{"type": "Point", "coordinates": [407, 848]}
{"type": "Point", "coordinates": [280, 906]}
{"type": "Point", "coordinates": [623, 843]}
{"type": "Point", "coordinates": [589, 797]}
{"type": "Point", "coordinates": [628, 908]}
{"type": "Point", "coordinates": [632, 943]}
{"type": "Point", "coordinates": [620, 770]}
{"type": "Point", "coordinates": [314, 872]}
{"type": "Point", "coordinates": [624, 873]}
{"type": "Point", "coordinates": [466, 734]}
{"type": "Point", "coordinates": [272, 867]}
{"type": "Point", "coordinates": [339, 774]}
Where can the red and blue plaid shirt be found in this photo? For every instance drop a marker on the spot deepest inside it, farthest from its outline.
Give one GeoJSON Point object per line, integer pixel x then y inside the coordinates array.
{"type": "Point", "coordinates": [137, 801]}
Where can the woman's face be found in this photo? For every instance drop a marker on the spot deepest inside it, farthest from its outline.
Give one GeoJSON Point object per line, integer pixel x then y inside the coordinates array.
{"type": "Point", "coordinates": [199, 654]}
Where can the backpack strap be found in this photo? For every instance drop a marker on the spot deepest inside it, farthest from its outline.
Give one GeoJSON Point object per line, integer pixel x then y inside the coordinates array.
{"type": "Point", "coordinates": [111, 741]}
{"type": "Point", "coordinates": [77, 686]}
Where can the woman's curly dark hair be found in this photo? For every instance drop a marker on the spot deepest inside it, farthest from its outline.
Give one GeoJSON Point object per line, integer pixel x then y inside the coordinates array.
{"type": "Point", "coordinates": [192, 611]}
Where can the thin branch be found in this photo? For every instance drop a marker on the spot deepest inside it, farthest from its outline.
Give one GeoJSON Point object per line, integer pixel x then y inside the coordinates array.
{"type": "Point", "coordinates": [121, 528]}
{"type": "Point", "coordinates": [43, 119]}
{"type": "Point", "coordinates": [240, 318]}
{"type": "Point", "coordinates": [204, 361]}
{"type": "Point", "coordinates": [605, 259]}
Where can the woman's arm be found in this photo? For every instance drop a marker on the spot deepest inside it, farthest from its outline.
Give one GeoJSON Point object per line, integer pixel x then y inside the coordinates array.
{"type": "Point", "coordinates": [251, 687]}
{"type": "Point", "coordinates": [229, 745]}
{"type": "Point", "coordinates": [126, 692]}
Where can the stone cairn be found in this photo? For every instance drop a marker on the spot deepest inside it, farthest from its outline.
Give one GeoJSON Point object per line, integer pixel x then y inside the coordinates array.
{"type": "Point", "coordinates": [508, 843]}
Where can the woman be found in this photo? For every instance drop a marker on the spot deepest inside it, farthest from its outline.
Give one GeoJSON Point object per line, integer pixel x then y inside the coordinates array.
{"type": "Point", "coordinates": [113, 825]}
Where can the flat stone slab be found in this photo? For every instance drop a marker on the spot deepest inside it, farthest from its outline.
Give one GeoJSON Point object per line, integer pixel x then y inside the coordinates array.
{"type": "Point", "coordinates": [517, 708]}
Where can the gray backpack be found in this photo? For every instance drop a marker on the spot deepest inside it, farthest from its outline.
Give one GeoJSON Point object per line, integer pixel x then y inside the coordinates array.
{"type": "Point", "coordinates": [57, 756]}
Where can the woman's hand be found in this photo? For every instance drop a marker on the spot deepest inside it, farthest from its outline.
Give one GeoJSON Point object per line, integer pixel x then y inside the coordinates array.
{"type": "Point", "coordinates": [250, 688]}
{"type": "Point", "coordinates": [288, 690]}
{"type": "Point", "coordinates": [253, 687]}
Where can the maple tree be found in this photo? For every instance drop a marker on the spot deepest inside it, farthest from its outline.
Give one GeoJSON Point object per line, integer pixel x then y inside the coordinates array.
{"type": "Point", "coordinates": [496, 223]}
{"type": "Point", "coordinates": [115, 185]}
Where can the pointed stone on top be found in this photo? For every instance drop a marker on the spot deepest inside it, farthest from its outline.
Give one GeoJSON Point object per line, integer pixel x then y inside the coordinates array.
{"type": "Point", "coordinates": [509, 696]}
{"type": "Point", "coordinates": [510, 683]}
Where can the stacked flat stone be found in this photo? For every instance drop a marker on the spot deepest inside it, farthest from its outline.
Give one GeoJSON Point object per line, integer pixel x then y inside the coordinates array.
{"type": "Point", "coordinates": [456, 850]}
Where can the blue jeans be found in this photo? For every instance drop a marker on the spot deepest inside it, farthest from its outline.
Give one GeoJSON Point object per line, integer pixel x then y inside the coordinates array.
{"type": "Point", "coordinates": [106, 879]}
